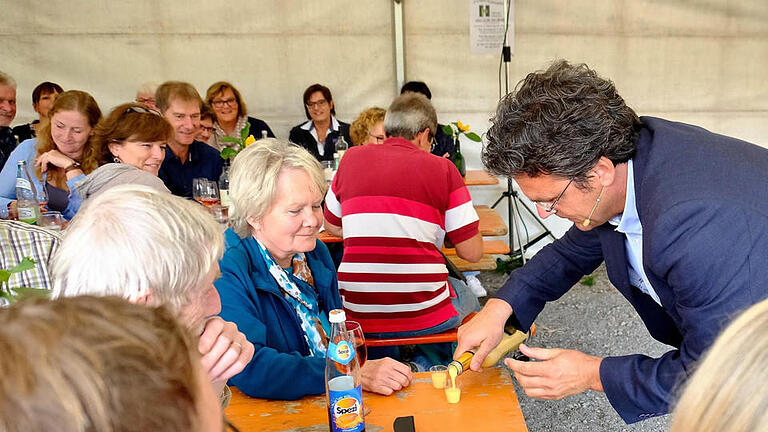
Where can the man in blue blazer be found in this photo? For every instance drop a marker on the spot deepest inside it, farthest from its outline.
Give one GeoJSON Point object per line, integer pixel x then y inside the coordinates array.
{"type": "Point", "coordinates": [678, 214]}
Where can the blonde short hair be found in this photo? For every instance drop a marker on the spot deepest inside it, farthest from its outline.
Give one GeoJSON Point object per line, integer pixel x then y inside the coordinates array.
{"type": "Point", "coordinates": [254, 174]}
{"type": "Point", "coordinates": [727, 392]}
{"type": "Point", "coordinates": [131, 241]}
{"type": "Point", "coordinates": [96, 364]}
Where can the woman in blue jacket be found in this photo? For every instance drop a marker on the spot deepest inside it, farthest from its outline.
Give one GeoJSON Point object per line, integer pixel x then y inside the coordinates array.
{"type": "Point", "coordinates": [278, 282]}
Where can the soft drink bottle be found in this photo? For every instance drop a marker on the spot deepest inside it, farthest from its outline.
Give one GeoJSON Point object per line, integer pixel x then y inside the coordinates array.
{"type": "Point", "coordinates": [340, 148]}
{"type": "Point", "coordinates": [342, 378]}
{"type": "Point", "coordinates": [26, 195]}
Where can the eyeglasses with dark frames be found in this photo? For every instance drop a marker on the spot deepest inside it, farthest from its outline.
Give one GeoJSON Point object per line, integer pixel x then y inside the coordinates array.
{"type": "Point", "coordinates": [218, 103]}
{"type": "Point", "coordinates": [549, 206]}
{"type": "Point", "coordinates": [379, 139]}
{"type": "Point", "coordinates": [317, 104]}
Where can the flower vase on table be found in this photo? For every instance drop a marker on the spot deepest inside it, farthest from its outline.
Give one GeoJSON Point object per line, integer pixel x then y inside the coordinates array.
{"type": "Point", "coordinates": [458, 158]}
{"type": "Point", "coordinates": [456, 130]}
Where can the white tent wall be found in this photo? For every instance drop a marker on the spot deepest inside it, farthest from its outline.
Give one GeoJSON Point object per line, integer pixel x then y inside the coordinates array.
{"type": "Point", "coordinates": [270, 50]}
{"type": "Point", "coordinates": [697, 61]}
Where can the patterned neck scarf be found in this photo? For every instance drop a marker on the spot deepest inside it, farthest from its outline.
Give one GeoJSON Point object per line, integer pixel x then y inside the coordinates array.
{"type": "Point", "coordinates": [218, 134]}
{"type": "Point", "coordinates": [306, 306]}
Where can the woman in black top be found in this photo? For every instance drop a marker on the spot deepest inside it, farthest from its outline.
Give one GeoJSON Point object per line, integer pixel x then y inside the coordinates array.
{"type": "Point", "coordinates": [319, 134]}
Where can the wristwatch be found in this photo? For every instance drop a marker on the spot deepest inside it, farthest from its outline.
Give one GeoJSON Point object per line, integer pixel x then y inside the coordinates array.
{"type": "Point", "coordinates": [74, 165]}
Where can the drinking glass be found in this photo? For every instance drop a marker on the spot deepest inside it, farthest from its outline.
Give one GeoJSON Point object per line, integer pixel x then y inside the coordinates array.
{"type": "Point", "coordinates": [328, 170]}
{"type": "Point", "coordinates": [199, 185]}
{"type": "Point", "coordinates": [220, 213]}
{"type": "Point", "coordinates": [52, 220]}
{"type": "Point", "coordinates": [356, 334]}
{"type": "Point", "coordinates": [205, 191]}
{"type": "Point", "coordinates": [356, 331]}
{"type": "Point", "coordinates": [42, 193]}
{"type": "Point", "coordinates": [439, 375]}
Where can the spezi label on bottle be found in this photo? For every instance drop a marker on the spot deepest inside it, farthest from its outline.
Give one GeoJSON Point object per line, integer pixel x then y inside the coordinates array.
{"type": "Point", "coordinates": [341, 353]}
{"type": "Point", "coordinates": [346, 410]}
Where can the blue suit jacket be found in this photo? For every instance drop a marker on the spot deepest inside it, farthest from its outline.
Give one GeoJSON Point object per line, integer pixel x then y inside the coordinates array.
{"type": "Point", "coordinates": [702, 200]}
{"type": "Point", "coordinates": [281, 367]}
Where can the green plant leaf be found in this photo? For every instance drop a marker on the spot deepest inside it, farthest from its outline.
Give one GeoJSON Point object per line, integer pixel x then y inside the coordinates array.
{"type": "Point", "coordinates": [244, 132]}
{"type": "Point", "coordinates": [230, 139]}
{"type": "Point", "coordinates": [228, 153]}
{"type": "Point", "coordinates": [26, 263]}
{"type": "Point", "coordinates": [447, 129]}
{"type": "Point", "coordinates": [473, 136]}
{"type": "Point", "coordinates": [5, 275]}
{"type": "Point", "coordinates": [24, 292]}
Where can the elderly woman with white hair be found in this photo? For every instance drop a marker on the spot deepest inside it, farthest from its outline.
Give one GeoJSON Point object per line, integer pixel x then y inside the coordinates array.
{"type": "Point", "coordinates": [154, 248]}
{"type": "Point", "coordinates": [278, 281]}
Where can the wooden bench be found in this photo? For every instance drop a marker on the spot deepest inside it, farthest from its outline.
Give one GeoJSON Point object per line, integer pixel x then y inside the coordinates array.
{"type": "Point", "coordinates": [487, 262]}
{"type": "Point", "coordinates": [490, 247]}
{"type": "Point", "coordinates": [479, 178]}
{"type": "Point", "coordinates": [491, 223]}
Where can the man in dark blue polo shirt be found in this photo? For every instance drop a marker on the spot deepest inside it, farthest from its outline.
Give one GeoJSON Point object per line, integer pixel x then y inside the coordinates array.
{"type": "Point", "coordinates": [186, 159]}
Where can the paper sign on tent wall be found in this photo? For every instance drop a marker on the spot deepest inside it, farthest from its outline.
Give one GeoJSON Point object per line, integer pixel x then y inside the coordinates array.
{"type": "Point", "coordinates": [486, 26]}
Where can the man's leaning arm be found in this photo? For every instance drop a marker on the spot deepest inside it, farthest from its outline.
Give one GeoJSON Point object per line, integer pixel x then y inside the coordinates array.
{"type": "Point", "coordinates": [470, 249]}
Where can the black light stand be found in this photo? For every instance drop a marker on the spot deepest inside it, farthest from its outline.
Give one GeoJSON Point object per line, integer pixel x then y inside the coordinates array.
{"type": "Point", "coordinates": [513, 200]}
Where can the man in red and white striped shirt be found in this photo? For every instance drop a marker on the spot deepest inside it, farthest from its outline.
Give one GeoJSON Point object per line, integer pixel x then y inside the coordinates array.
{"type": "Point", "coordinates": [396, 203]}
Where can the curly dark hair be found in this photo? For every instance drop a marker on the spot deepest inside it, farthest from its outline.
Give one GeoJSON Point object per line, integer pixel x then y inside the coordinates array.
{"type": "Point", "coordinates": [560, 121]}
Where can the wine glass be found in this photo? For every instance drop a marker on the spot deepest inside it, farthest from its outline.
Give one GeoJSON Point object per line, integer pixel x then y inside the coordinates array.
{"type": "Point", "coordinates": [205, 191]}
{"type": "Point", "coordinates": [199, 186]}
{"type": "Point", "coordinates": [356, 334]}
{"type": "Point", "coordinates": [42, 193]}
{"type": "Point", "coordinates": [355, 331]}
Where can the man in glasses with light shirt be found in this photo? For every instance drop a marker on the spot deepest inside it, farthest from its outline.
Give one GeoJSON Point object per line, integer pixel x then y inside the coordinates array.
{"type": "Point", "coordinates": [185, 158]}
{"type": "Point", "coordinates": [678, 214]}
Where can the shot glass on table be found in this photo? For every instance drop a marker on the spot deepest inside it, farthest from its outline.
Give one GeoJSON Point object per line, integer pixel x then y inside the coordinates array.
{"type": "Point", "coordinates": [52, 220]}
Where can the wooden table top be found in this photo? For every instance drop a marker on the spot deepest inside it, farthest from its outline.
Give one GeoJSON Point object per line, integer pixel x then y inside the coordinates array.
{"type": "Point", "coordinates": [488, 402]}
{"type": "Point", "coordinates": [479, 177]}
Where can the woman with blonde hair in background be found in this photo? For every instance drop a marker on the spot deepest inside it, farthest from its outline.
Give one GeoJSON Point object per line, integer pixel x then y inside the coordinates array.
{"type": "Point", "coordinates": [154, 248]}
{"type": "Point", "coordinates": [88, 364]}
{"type": "Point", "coordinates": [727, 392]}
{"type": "Point", "coordinates": [368, 127]}
{"type": "Point", "coordinates": [60, 156]}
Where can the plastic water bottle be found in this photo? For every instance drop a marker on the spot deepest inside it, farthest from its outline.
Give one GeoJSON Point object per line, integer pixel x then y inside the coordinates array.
{"type": "Point", "coordinates": [26, 195]}
{"type": "Point", "coordinates": [341, 147]}
{"type": "Point", "coordinates": [343, 388]}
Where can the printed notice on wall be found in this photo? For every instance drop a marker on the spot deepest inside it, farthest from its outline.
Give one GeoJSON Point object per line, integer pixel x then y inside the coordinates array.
{"type": "Point", "coordinates": [486, 26]}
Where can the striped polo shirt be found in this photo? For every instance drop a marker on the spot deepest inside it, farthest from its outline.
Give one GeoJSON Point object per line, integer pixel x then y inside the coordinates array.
{"type": "Point", "coordinates": [396, 204]}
